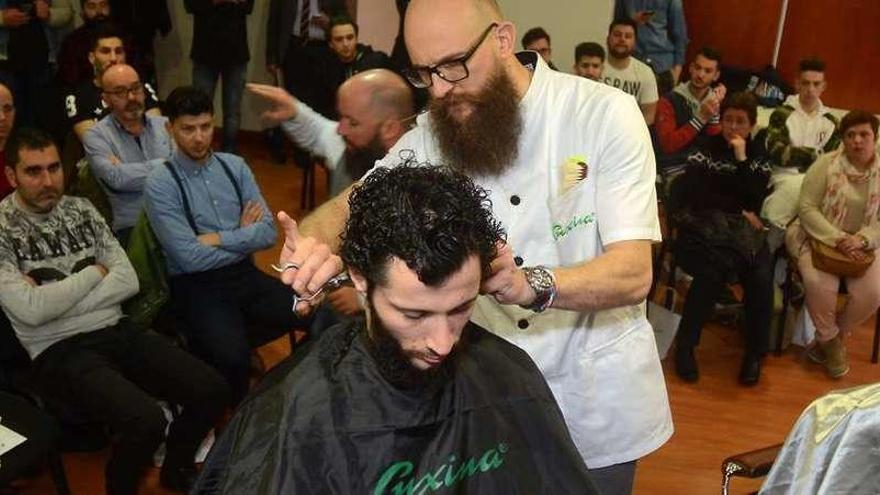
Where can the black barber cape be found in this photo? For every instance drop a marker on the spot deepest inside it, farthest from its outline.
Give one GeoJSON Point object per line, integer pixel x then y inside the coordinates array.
{"type": "Point", "coordinates": [328, 422]}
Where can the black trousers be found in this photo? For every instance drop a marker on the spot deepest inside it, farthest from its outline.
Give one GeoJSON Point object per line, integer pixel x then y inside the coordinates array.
{"type": "Point", "coordinates": [304, 69]}
{"type": "Point", "coordinates": [707, 286]}
{"type": "Point", "coordinates": [229, 311]}
{"type": "Point", "coordinates": [116, 376]}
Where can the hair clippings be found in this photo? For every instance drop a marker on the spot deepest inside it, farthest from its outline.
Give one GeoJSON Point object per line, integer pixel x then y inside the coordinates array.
{"type": "Point", "coordinates": [340, 280]}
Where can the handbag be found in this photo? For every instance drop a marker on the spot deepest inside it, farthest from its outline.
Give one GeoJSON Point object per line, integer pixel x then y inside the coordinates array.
{"type": "Point", "coordinates": [831, 260]}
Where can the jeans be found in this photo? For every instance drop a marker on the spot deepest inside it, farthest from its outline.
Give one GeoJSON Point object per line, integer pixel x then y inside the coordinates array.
{"type": "Point", "coordinates": [115, 375]}
{"type": "Point", "coordinates": [205, 78]}
{"type": "Point", "coordinates": [230, 310]}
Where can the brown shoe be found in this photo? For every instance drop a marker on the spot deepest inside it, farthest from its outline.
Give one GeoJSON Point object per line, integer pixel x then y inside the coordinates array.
{"type": "Point", "coordinates": [835, 357]}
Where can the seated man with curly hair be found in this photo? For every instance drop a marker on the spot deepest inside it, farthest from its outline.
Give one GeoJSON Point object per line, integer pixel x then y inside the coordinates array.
{"type": "Point", "coordinates": [412, 398]}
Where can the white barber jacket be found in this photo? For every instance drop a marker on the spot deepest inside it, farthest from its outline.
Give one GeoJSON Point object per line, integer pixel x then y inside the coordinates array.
{"type": "Point", "coordinates": [602, 367]}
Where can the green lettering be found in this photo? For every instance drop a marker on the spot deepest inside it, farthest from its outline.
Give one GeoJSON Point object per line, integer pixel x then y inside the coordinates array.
{"type": "Point", "coordinates": [402, 469]}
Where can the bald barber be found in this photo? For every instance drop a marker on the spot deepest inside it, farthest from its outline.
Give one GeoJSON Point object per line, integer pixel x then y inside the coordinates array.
{"type": "Point", "coordinates": [125, 146]}
{"type": "Point", "coordinates": [570, 170]}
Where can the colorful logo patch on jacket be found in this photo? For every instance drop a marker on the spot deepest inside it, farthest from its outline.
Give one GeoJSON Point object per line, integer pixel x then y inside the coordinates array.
{"type": "Point", "coordinates": [574, 170]}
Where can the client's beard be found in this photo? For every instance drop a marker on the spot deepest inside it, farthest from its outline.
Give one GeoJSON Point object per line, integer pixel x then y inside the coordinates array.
{"type": "Point", "coordinates": [486, 143]}
{"type": "Point", "coordinates": [394, 363]}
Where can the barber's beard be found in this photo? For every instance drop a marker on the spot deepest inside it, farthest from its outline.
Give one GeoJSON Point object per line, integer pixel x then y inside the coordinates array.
{"type": "Point", "coordinates": [486, 143]}
{"type": "Point", "coordinates": [394, 363]}
{"type": "Point", "coordinates": [359, 161]}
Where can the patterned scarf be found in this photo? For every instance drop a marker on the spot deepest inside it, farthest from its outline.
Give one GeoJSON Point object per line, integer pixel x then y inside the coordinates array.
{"type": "Point", "coordinates": [842, 175]}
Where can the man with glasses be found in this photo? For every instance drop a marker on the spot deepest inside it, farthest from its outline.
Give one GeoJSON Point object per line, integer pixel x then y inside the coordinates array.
{"type": "Point", "coordinates": [84, 104]}
{"type": "Point", "coordinates": [125, 146]}
{"type": "Point", "coordinates": [570, 170]}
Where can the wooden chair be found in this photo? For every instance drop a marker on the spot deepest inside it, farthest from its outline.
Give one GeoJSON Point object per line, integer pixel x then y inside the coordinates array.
{"type": "Point", "coordinates": [752, 464]}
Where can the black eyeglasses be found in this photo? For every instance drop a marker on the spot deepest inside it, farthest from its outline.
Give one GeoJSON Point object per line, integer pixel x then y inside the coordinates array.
{"type": "Point", "coordinates": [123, 92]}
{"type": "Point", "coordinates": [450, 71]}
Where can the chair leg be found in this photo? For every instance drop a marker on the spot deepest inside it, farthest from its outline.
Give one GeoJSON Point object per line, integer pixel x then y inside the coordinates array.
{"type": "Point", "coordinates": [56, 468]}
{"type": "Point", "coordinates": [876, 352]}
{"type": "Point", "coordinates": [780, 325]}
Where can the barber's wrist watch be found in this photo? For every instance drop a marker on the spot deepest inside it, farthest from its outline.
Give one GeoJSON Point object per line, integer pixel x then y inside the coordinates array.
{"type": "Point", "coordinates": [543, 282]}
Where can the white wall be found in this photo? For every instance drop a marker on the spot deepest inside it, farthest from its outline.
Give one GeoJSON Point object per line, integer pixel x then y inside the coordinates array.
{"type": "Point", "coordinates": [568, 21]}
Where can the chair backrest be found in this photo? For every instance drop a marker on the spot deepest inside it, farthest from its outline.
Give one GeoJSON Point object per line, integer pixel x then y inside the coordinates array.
{"type": "Point", "coordinates": [87, 187]}
{"type": "Point", "coordinates": [148, 260]}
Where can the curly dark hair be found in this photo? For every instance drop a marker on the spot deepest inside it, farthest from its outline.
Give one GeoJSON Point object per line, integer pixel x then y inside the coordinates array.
{"type": "Point", "coordinates": [432, 218]}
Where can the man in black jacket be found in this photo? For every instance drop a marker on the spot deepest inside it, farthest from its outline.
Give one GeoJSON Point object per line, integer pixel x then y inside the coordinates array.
{"type": "Point", "coordinates": [220, 50]}
{"type": "Point", "coordinates": [347, 58]}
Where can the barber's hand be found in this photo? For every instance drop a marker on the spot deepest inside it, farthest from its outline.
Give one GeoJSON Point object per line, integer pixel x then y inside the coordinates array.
{"type": "Point", "coordinates": [41, 10]}
{"type": "Point", "coordinates": [345, 301]}
{"type": "Point", "coordinates": [13, 18]}
{"type": "Point", "coordinates": [739, 148]}
{"type": "Point", "coordinates": [251, 214]}
{"type": "Point", "coordinates": [211, 239]}
{"type": "Point", "coordinates": [754, 221]}
{"type": "Point", "coordinates": [506, 282]}
{"type": "Point", "coordinates": [720, 92]}
{"type": "Point", "coordinates": [283, 103]}
{"type": "Point", "coordinates": [317, 263]}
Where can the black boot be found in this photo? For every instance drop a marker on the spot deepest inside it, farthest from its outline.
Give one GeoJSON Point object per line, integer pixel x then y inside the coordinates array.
{"type": "Point", "coordinates": [750, 371]}
{"type": "Point", "coordinates": [686, 364]}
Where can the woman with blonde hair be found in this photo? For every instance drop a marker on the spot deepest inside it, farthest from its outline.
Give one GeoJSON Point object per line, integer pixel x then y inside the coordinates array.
{"type": "Point", "coordinates": [840, 209]}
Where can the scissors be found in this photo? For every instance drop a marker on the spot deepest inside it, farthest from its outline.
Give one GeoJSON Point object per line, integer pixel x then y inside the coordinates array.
{"type": "Point", "coordinates": [340, 280]}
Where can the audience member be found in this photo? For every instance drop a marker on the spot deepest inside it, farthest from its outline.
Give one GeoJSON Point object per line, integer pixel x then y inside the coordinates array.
{"type": "Point", "coordinates": [25, 32]}
{"type": "Point", "coordinates": [840, 208]}
{"type": "Point", "coordinates": [85, 104]}
{"type": "Point", "coordinates": [220, 50]}
{"type": "Point", "coordinates": [7, 124]}
{"type": "Point", "coordinates": [589, 60]}
{"type": "Point", "coordinates": [40, 431]}
{"type": "Point", "coordinates": [625, 72]}
{"type": "Point", "coordinates": [721, 239]}
{"type": "Point", "coordinates": [62, 279]}
{"type": "Point", "coordinates": [296, 44]}
{"type": "Point", "coordinates": [799, 131]}
{"type": "Point", "coordinates": [73, 56]}
{"type": "Point", "coordinates": [497, 115]}
{"type": "Point", "coordinates": [537, 40]}
{"type": "Point", "coordinates": [689, 115]}
{"type": "Point", "coordinates": [348, 58]}
{"type": "Point", "coordinates": [662, 36]}
{"type": "Point", "coordinates": [210, 218]}
{"type": "Point", "coordinates": [339, 407]}
{"type": "Point", "coordinates": [124, 147]}
{"type": "Point", "coordinates": [375, 108]}
{"type": "Point", "coordinates": [142, 19]}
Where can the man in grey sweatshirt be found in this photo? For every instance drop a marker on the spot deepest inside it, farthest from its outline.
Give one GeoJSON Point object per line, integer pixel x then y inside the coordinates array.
{"type": "Point", "coordinates": [62, 278]}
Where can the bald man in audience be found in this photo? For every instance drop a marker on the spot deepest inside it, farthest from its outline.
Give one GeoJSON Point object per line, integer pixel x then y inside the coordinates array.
{"type": "Point", "coordinates": [124, 147]}
{"type": "Point", "coordinates": [84, 104]}
{"type": "Point", "coordinates": [375, 108]}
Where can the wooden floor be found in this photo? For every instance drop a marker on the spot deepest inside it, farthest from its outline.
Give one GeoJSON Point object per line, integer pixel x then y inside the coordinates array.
{"type": "Point", "coordinates": [713, 419]}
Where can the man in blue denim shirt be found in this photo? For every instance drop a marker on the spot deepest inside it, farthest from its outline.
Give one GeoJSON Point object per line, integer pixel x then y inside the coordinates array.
{"type": "Point", "coordinates": [662, 36]}
{"type": "Point", "coordinates": [125, 146]}
{"type": "Point", "coordinates": [209, 216]}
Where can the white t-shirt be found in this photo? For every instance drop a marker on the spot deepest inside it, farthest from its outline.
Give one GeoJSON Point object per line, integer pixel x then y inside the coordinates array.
{"type": "Point", "coordinates": [602, 367]}
{"type": "Point", "coordinates": [636, 79]}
